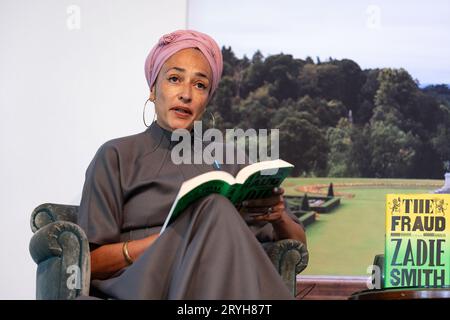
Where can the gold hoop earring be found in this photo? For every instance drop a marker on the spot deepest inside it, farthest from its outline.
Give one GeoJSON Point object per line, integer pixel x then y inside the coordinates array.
{"type": "Point", "coordinates": [213, 120]}
{"type": "Point", "coordinates": [143, 113]}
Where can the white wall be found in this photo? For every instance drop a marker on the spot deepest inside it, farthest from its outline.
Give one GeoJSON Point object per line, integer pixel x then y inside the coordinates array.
{"type": "Point", "coordinates": [63, 92]}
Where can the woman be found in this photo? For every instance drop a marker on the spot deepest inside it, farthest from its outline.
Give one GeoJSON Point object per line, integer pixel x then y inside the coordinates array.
{"type": "Point", "coordinates": [132, 182]}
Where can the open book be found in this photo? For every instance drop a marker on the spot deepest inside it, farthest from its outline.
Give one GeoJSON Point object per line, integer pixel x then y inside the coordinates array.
{"type": "Point", "coordinates": [254, 181]}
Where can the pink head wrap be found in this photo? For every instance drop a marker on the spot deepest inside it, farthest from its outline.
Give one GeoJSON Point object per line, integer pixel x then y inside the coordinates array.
{"type": "Point", "coordinates": [179, 40]}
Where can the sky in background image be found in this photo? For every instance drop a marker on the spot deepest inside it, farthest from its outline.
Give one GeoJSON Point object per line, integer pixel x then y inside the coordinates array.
{"type": "Point", "coordinates": [414, 35]}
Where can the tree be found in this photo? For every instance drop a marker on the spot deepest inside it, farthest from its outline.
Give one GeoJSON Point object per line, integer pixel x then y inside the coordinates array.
{"type": "Point", "coordinates": [353, 80]}
{"type": "Point", "coordinates": [299, 134]}
{"type": "Point", "coordinates": [440, 141]}
{"type": "Point", "coordinates": [223, 101]}
{"type": "Point", "coordinates": [309, 60]}
{"type": "Point", "coordinates": [340, 146]}
{"type": "Point", "coordinates": [398, 100]}
{"type": "Point", "coordinates": [282, 72]}
{"type": "Point", "coordinates": [392, 151]}
{"type": "Point", "coordinates": [334, 80]}
{"type": "Point", "coordinates": [308, 80]}
{"type": "Point", "coordinates": [230, 61]}
{"type": "Point", "coordinates": [257, 110]}
{"type": "Point", "coordinates": [441, 92]}
{"type": "Point", "coordinates": [361, 154]}
{"type": "Point", "coordinates": [254, 75]}
{"type": "Point", "coordinates": [327, 113]}
{"type": "Point", "coordinates": [364, 112]}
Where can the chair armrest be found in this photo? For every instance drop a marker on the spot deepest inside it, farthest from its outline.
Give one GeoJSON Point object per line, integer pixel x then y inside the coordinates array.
{"type": "Point", "coordinates": [379, 262]}
{"type": "Point", "coordinates": [50, 212]}
{"type": "Point", "coordinates": [61, 251]}
{"type": "Point", "coordinates": [290, 257]}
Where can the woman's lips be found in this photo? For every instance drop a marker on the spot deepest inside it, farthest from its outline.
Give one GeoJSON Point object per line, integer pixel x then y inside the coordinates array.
{"type": "Point", "coordinates": [182, 113]}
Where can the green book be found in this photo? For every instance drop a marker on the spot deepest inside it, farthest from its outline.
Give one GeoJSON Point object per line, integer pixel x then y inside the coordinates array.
{"type": "Point", "coordinates": [254, 181]}
{"type": "Point", "coordinates": [417, 252]}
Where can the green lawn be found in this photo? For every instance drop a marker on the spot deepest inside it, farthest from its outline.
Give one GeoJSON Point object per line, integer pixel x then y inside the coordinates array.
{"type": "Point", "coordinates": [345, 241]}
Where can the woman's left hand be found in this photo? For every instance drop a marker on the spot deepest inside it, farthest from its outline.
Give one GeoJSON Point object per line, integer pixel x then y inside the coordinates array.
{"type": "Point", "coordinates": [271, 209]}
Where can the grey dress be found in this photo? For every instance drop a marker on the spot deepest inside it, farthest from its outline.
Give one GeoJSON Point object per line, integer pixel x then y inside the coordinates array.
{"type": "Point", "coordinates": [208, 252]}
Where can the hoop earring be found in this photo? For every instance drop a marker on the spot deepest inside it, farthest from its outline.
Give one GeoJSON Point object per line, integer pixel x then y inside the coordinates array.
{"type": "Point", "coordinates": [143, 113]}
{"type": "Point", "coordinates": [213, 120]}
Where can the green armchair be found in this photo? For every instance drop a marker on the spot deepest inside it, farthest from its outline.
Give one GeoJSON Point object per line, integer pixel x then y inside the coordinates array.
{"type": "Point", "coordinates": [61, 251]}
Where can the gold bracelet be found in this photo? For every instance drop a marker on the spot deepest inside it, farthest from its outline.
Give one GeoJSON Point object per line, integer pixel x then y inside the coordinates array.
{"type": "Point", "coordinates": [126, 254]}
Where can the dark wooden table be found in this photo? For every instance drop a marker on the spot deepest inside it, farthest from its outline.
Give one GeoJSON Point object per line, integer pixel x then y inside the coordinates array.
{"type": "Point", "coordinates": [402, 294]}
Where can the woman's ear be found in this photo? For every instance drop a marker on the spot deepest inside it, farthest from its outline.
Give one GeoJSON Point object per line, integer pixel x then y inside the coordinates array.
{"type": "Point", "coordinates": [152, 94]}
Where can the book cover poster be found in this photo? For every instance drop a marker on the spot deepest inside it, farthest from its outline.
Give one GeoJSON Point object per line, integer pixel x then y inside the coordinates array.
{"type": "Point", "coordinates": [417, 248]}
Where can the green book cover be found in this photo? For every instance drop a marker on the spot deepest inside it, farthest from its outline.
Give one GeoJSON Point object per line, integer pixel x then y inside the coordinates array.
{"type": "Point", "coordinates": [254, 181]}
{"type": "Point", "coordinates": [417, 247]}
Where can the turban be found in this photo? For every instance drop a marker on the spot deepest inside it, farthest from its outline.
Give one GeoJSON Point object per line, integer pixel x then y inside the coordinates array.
{"type": "Point", "coordinates": [179, 40]}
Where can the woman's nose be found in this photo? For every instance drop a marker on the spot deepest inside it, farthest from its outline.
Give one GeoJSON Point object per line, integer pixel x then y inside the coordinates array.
{"type": "Point", "coordinates": [186, 93]}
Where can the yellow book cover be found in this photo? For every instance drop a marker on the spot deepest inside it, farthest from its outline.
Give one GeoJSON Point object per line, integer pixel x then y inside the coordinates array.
{"type": "Point", "coordinates": [417, 246]}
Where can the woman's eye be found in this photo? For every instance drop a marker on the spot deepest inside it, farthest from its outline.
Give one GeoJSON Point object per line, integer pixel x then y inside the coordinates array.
{"type": "Point", "coordinates": [200, 85]}
{"type": "Point", "coordinates": [173, 79]}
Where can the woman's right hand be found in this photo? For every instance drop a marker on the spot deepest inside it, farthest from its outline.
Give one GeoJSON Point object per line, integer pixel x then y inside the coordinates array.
{"type": "Point", "coordinates": [109, 258]}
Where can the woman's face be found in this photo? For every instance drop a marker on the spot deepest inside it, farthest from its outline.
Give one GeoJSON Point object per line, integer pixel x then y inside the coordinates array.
{"type": "Point", "coordinates": [182, 89]}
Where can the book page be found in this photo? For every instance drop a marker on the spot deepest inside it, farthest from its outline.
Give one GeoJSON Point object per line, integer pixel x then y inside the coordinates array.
{"type": "Point", "coordinates": [246, 172]}
{"type": "Point", "coordinates": [191, 184]}
{"type": "Point", "coordinates": [259, 185]}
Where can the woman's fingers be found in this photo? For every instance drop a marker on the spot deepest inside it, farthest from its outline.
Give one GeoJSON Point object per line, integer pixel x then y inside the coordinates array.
{"type": "Point", "coordinates": [263, 207]}
{"type": "Point", "coordinates": [274, 213]}
{"type": "Point", "coordinates": [265, 202]}
{"type": "Point", "coordinates": [268, 217]}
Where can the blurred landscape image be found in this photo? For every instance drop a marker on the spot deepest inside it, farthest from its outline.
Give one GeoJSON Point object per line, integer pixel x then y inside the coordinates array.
{"type": "Point", "coordinates": [359, 91]}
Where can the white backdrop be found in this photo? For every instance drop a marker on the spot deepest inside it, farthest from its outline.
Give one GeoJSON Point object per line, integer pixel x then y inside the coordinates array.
{"type": "Point", "coordinates": [71, 78]}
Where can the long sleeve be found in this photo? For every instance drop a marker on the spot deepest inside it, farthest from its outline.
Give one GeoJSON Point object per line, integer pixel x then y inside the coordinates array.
{"type": "Point", "coordinates": [100, 213]}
